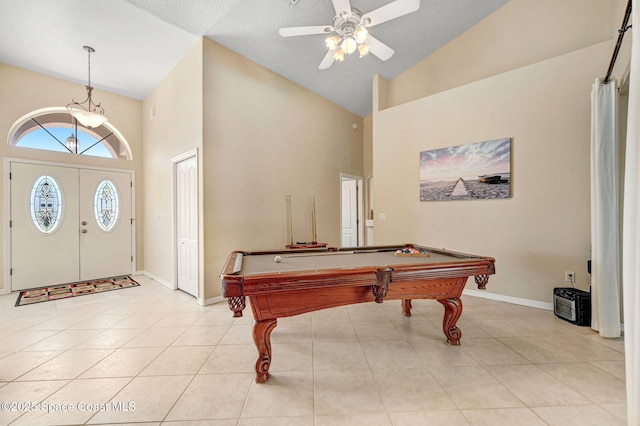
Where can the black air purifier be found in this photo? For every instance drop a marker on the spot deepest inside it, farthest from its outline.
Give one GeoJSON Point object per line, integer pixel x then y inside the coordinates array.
{"type": "Point", "coordinates": [572, 305]}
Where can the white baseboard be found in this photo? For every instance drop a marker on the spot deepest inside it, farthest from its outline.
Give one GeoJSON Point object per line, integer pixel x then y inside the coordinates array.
{"type": "Point", "coordinates": [516, 301]}
{"type": "Point", "coordinates": [200, 300]}
{"type": "Point", "coordinates": [509, 299]}
{"type": "Point", "coordinates": [214, 300]}
{"type": "Point", "coordinates": [167, 284]}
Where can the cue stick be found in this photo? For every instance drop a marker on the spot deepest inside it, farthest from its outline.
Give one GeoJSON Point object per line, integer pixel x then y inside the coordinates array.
{"type": "Point", "coordinates": [290, 219]}
{"type": "Point", "coordinates": [329, 253]}
{"type": "Point", "coordinates": [313, 221]}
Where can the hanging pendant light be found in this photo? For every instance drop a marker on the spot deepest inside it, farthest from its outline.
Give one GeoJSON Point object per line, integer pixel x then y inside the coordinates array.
{"type": "Point", "coordinates": [90, 115]}
{"type": "Point", "coordinates": [72, 141]}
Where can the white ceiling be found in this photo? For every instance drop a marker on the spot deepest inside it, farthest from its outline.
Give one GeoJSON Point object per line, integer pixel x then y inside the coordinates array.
{"type": "Point", "coordinates": [138, 42]}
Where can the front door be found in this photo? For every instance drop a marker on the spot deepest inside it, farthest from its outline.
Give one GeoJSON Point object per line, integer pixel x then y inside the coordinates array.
{"type": "Point", "coordinates": [68, 224]}
{"type": "Point", "coordinates": [44, 225]}
{"type": "Point", "coordinates": [105, 224]}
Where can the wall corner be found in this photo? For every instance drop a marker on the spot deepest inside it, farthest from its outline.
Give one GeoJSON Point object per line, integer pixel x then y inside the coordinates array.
{"type": "Point", "coordinates": [380, 93]}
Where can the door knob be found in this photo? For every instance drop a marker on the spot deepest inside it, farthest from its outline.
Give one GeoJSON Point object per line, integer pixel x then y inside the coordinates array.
{"type": "Point", "coordinates": [84, 231]}
{"type": "Point", "coordinates": [84, 222]}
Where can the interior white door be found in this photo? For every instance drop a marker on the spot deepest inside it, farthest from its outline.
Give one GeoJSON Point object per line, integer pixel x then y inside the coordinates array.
{"type": "Point", "coordinates": [105, 224]}
{"type": "Point", "coordinates": [44, 225]}
{"type": "Point", "coordinates": [349, 213]}
{"type": "Point", "coordinates": [187, 224]}
{"type": "Point", "coordinates": [55, 235]}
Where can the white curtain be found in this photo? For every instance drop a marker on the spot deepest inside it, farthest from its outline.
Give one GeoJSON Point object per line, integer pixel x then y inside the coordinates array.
{"type": "Point", "coordinates": [631, 231]}
{"type": "Point", "coordinates": [605, 233]}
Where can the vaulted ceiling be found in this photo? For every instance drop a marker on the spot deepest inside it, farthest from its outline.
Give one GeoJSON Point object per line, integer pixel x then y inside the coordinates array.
{"type": "Point", "coordinates": [138, 42]}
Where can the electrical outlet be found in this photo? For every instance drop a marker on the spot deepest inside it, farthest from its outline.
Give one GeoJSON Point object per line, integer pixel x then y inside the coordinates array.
{"type": "Point", "coordinates": [570, 276]}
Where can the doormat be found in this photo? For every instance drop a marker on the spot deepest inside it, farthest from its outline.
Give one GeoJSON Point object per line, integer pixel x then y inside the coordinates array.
{"type": "Point", "coordinates": [63, 291]}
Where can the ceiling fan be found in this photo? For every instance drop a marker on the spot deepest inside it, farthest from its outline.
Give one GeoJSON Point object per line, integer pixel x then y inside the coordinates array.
{"type": "Point", "coordinates": [349, 31]}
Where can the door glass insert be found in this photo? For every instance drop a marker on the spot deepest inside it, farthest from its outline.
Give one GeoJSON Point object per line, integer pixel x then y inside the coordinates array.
{"type": "Point", "coordinates": [46, 204]}
{"type": "Point", "coordinates": [106, 205]}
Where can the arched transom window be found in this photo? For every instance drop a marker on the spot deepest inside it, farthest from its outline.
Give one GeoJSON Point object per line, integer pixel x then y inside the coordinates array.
{"type": "Point", "coordinates": [54, 129]}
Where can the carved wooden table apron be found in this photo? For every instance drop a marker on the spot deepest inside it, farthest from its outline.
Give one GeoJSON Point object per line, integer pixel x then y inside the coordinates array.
{"type": "Point", "coordinates": [273, 295]}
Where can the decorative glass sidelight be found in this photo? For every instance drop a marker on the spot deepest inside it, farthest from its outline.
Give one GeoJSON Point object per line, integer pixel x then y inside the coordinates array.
{"type": "Point", "coordinates": [46, 204]}
{"type": "Point", "coordinates": [106, 205]}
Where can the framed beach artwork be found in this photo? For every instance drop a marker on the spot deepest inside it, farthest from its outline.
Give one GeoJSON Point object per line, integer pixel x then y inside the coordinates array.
{"type": "Point", "coordinates": [480, 170]}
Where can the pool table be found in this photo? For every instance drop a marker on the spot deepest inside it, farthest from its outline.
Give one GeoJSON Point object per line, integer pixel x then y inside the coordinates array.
{"type": "Point", "coordinates": [282, 283]}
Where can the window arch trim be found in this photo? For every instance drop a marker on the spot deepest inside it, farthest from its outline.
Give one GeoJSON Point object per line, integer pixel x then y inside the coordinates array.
{"type": "Point", "coordinates": [18, 129]}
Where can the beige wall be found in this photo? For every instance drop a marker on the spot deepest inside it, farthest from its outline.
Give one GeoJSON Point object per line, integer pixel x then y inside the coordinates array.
{"type": "Point", "coordinates": [544, 229]}
{"type": "Point", "coordinates": [521, 33]}
{"type": "Point", "coordinates": [265, 138]}
{"type": "Point", "coordinates": [526, 73]}
{"type": "Point", "coordinates": [175, 128]}
{"type": "Point", "coordinates": [25, 91]}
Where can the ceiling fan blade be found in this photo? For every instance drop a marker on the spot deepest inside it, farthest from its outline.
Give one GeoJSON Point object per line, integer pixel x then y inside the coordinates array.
{"type": "Point", "coordinates": [379, 49]}
{"type": "Point", "coordinates": [391, 11]}
{"type": "Point", "coordinates": [327, 61]}
{"type": "Point", "coordinates": [341, 6]}
{"type": "Point", "coordinates": [300, 31]}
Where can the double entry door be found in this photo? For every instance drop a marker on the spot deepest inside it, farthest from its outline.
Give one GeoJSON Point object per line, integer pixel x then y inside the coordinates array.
{"type": "Point", "coordinates": [69, 224]}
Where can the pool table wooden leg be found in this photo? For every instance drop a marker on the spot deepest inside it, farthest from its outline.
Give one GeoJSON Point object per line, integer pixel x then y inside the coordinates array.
{"type": "Point", "coordinates": [262, 338]}
{"type": "Point", "coordinates": [452, 311]}
{"type": "Point", "coordinates": [406, 307]}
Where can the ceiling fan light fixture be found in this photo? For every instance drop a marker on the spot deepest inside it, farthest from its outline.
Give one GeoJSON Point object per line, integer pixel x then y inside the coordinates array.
{"type": "Point", "coordinates": [363, 49]}
{"type": "Point", "coordinates": [348, 45]}
{"type": "Point", "coordinates": [361, 34]}
{"type": "Point", "coordinates": [350, 30]}
{"type": "Point", "coordinates": [332, 42]}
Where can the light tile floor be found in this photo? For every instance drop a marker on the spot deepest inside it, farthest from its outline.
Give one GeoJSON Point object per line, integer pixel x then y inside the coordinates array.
{"type": "Point", "coordinates": [150, 355]}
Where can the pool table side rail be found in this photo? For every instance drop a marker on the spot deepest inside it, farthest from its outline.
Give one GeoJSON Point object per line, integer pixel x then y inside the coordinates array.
{"type": "Point", "coordinates": [365, 249]}
{"type": "Point", "coordinates": [235, 283]}
{"type": "Point", "coordinates": [356, 277]}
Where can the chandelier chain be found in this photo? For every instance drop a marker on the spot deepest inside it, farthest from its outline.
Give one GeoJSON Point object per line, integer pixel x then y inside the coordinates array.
{"type": "Point", "coordinates": [89, 50]}
{"type": "Point", "coordinates": [89, 67]}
